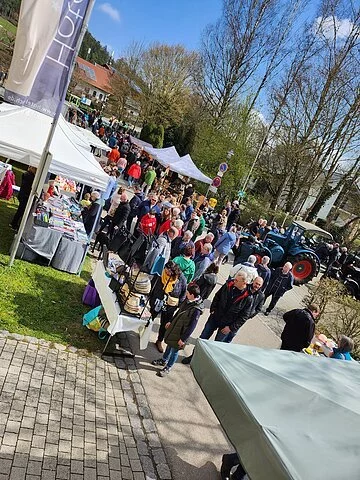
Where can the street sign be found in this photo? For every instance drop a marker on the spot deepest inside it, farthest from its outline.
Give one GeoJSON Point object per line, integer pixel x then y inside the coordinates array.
{"type": "Point", "coordinates": [212, 189]}
{"type": "Point", "coordinates": [241, 194]}
{"type": "Point", "coordinates": [216, 182]}
{"type": "Point", "coordinates": [223, 167]}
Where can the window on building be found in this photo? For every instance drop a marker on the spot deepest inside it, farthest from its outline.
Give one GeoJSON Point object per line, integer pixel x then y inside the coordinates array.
{"type": "Point", "coordinates": [101, 96]}
{"type": "Point", "coordinates": [94, 93]}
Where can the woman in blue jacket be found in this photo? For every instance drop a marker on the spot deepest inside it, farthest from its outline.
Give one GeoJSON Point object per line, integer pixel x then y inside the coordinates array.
{"type": "Point", "coordinates": [224, 245]}
{"type": "Point", "coordinates": [345, 346]}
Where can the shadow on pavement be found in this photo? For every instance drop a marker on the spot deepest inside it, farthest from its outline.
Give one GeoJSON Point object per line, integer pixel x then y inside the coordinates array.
{"type": "Point", "coordinates": [186, 471]}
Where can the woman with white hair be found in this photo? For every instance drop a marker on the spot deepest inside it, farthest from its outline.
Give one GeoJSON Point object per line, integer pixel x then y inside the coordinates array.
{"type": "Point", "coordinates": [91, 215]}
{"type": "Point", "coordinates": [248, 267]}
{"type": "Point", "coordinates": [179, 244]}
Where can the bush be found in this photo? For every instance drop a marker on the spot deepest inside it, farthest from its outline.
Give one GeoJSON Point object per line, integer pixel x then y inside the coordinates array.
{"type": "Point", "coordinates": [153, 134]}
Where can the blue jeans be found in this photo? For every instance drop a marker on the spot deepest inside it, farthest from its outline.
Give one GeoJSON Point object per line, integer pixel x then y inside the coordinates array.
{"type": "Point", "coordinates": [210, 326]}
{"type": "Point", "coordinates": [131, 181]}
{"type": "Point", "coordinates": [229, 337]}
{"type": "Point", "coordinates": [170, 356]}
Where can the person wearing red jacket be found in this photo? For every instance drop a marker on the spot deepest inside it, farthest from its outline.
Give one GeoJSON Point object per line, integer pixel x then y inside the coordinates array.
{"type": "Point", "coordinates": [148, 223]}
{"type": "Point", "coordinates": [134, 173]}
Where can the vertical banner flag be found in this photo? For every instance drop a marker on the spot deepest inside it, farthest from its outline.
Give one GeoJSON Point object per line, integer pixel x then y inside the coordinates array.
{"type": "Point", "coordinates": [45, 46]}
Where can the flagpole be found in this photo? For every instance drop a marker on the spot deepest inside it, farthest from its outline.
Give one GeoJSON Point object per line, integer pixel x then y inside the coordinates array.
{"type": "Point", "coordinates": [46, 157]}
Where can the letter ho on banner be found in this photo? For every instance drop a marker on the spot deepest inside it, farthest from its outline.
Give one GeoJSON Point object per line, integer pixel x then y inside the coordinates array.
{"type": "Point", "coordinates": [45, 45]}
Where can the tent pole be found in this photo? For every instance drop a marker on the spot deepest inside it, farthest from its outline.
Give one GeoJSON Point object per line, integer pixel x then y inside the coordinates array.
{"type": "Point", "coordinates": [45, 160]}
{"type": "Point", "coordinates": [90, 237]}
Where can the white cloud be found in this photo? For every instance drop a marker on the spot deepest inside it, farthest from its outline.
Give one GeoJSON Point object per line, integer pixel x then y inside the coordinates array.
{"type": "Point", "coordinates": [331, 26]}
{"type": "Point", "coordinates": [112, 12]}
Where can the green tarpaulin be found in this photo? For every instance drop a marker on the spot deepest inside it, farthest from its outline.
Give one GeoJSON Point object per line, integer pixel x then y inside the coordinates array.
{"type": "Point", "coordinates": [289, 415]}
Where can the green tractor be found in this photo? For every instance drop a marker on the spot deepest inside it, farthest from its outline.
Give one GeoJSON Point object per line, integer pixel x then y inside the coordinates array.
{"type": "Point", "coordinates": [297, 246]}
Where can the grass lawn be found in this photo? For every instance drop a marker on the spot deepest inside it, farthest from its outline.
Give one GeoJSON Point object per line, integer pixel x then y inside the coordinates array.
{"type": "Point", "coordinates": [7, 25]}
{"type": "Point", "coordinates": [40, 301]}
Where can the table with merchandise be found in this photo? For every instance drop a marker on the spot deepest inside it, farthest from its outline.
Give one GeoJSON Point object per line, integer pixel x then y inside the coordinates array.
{"type": "Point", "coordinates": [55, 233]}
{"type": "Point", "coordinates": [125, 311]}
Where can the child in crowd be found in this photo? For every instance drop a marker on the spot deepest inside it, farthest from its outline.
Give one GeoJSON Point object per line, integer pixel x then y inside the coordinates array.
{"type": "Point", "coordinates": [180, 328]}
{"type": "Point", "coordinates": [85, 202]}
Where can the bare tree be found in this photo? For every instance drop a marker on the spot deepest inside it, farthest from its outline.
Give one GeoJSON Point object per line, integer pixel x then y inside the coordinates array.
{"type": "Point", "coordinates": [320, 118]}
{"type": "Point", "coordinates": [242, 51]}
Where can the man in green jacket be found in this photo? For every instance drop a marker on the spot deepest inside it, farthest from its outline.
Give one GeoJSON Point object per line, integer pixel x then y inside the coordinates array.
{"type": "Point", "coordinates": [149, 178]}
{"type": "Point", "coordinates": [180, 328]}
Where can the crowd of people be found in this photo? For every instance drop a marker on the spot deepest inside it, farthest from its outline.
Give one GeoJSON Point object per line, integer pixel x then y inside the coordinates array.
{"type": "Point", "coordinates": [195, 241]}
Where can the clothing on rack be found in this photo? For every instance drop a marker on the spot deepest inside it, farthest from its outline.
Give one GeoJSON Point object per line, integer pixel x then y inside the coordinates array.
{"type": "Point", "coordinates": [6, 185]}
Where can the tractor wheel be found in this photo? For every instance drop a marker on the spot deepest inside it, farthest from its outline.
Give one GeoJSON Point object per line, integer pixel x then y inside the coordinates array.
{"type": "Point", "coordinates": [305, 268]}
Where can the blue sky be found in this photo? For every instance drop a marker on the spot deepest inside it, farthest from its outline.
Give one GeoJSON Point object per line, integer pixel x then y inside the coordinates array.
{"type": "Point", "coordinates": [118, 23]}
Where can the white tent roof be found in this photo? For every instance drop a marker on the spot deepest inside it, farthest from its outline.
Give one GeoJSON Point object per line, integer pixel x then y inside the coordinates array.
{"type": "Point", "coordinates": [140, 143]}
{"type": "Point", "coordinates": [169, 157]}
{"type": "Point", "coordinates": [186, 166]}
{"type": "Point", "coordinates": [90, 138]}
{"type": "Point", "coordinates": [23, 134]}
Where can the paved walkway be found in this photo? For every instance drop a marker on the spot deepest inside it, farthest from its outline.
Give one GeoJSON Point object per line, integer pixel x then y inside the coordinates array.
{"type": "Point", "coordinates": [192, 437]}
{"type": "Point", "coordinates": [67, 416]}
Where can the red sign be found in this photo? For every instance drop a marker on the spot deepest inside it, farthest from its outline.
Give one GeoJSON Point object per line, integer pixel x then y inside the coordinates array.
{"type": "Point", "coordinates": [216, 182]}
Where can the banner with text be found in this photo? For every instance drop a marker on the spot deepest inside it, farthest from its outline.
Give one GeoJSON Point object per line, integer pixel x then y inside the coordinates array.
{"type": "Point", "coordinates": [45, 45]}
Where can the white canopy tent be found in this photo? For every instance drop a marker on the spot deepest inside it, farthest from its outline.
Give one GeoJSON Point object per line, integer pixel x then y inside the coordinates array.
{"type": "Point", "coordinates": [90, 138]}
{"type": "Point", "coordinates": [23, 134]}
{"type": "Point", "coordinates": [140, 143]}
{"type": "Point", "coordinates": [169, 157]}
{"type": "Point", "coordinates": [186, 166]}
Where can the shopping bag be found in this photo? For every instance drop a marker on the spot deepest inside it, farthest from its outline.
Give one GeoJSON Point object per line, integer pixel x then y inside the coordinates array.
{"type": "Point", "coordinates": [158, 266]}
{"type": "Point", "coordinates": [96, 319]}
{"type": "Point", "coordinates": [90, 296]}
{"type": "Point", "coordinates": [94, 325]}
{"type": "Point", "coordinates": [91, 315]}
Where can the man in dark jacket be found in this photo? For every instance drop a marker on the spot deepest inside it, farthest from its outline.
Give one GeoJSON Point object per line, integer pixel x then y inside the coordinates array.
{"type": "Point", "coordinates": [180, 328]}
{"type": "Point", "coordinates": [146, 205]}
{"type": "Point", "coordinates": [257, 295]}
{"type": "Point", "coordinates": [229, 310]}
{"type": "Point", "coordinates": [121, 215]}
{"type": "Point", "coordinates": [135, 202]}
{"type": "Point", "coordinates": [334, 256]}
{"type": "Point", "coordinates": [244, 249]}
{"type": "Point", "coordinates": [264, 272]}
{"type": "Point", "coordinates": [281, 281]}
{"type": "Point", "coordinates": [23, 196]}
{"type": "Point", "coordinates": [257, 302]}
{"type": "Point", "coordinates": [91, 215]}
{"type": "Point", "coordinates": [299, 328]}
{"type": "Point", "coordinates": [234, 215]}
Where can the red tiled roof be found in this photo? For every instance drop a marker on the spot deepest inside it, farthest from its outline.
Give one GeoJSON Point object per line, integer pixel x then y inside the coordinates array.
{"type": "Point", "coordinates": [95, 75]}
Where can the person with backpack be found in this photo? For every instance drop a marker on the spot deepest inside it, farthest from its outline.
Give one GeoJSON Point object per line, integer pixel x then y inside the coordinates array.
{"type": "Point", "coordinates": [179, 329]}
